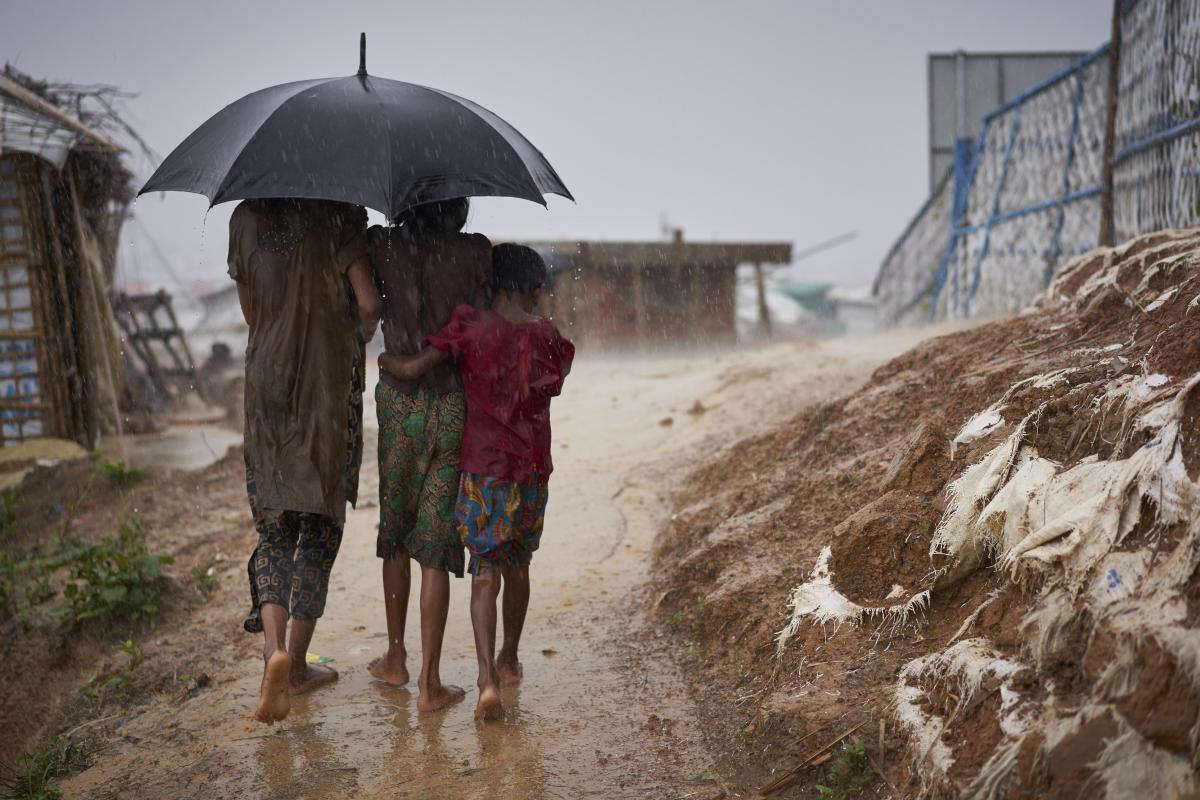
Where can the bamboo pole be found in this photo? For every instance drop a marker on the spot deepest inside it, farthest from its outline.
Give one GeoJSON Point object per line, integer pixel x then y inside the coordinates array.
{"type": "Point", "coordinates": [91, 289]}
{"type": "Point", "coordinates": [58, 314]}
{"type": "Point", "coordinates": [1107, 233]}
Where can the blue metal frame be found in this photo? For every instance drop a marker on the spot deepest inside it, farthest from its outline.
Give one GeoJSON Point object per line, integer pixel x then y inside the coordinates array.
{"type": "Point", "coordinates": [987, 230]}
{"type": "Point", "coordinates": [939, 278]}
{"type": "Point", "coordinates": [1038, 88]}
{"type": "Point", "coordinates": [1163, 136]}
{"type": "Point", "coordinates": [1170, 128]}
{"type": "Point", "coordinates": [1056, 239]}
{"type": "Point", "coordinates": [957, 229]}
{"type": "Point", "coordinates": [1045, 205]}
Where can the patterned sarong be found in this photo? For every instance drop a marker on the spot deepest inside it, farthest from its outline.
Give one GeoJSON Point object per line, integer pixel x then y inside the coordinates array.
{"type": "Point", "coordinates": [419, 437]}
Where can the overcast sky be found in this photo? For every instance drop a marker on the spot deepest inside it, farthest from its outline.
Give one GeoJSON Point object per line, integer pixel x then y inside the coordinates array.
{"type": "Point", "coordinates": [790, 121]}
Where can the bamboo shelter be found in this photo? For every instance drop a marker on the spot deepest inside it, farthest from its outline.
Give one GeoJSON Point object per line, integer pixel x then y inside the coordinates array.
{"type": "Point", "coordinates": [63, 196]}
{"type": "Point", "coordinates": [641, 294]}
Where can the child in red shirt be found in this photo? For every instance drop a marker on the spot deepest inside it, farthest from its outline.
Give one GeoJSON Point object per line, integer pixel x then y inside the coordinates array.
{"type": "Point", "coordinates": [512, 363]}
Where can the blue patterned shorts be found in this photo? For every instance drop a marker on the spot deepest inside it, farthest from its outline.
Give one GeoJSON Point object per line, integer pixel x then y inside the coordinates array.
{"type": "Point", "coordinates": [500, 521]}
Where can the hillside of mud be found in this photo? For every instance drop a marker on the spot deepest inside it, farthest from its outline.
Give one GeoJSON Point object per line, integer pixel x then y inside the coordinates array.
{"type": "Point", "coordinates": [83, 678]}
{"type": "Point", "coordinates": [983, 563]}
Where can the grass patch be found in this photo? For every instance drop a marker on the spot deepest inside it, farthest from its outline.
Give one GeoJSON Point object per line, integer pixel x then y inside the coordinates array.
{"type": "Point", "coordinates": [849, 774]}
{"type": "Point", "coordinates": [25, 580]}
{"type": "Point", "coordinates": [120, 683]}
{"type": "Point", "coordinates": [206, 579]}
{"type": "Point", "coordinates": [118, 473]}
{"type": "Point", "coordinates": [33, 777]}
{"type": "Point", "coordinates": [8, 515]}
{"type": "Point", "coordinates": [115, 578]}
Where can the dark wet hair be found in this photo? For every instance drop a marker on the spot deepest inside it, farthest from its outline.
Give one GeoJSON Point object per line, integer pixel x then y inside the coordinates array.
{"type": "Point", "coordinates": [442, 216]}
{"type": "Point", "coordinates": [517, 268]}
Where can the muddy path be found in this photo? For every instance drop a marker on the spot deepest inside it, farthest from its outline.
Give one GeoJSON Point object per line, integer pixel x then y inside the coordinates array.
{"type": "Point", "coordinates": [603, 711]}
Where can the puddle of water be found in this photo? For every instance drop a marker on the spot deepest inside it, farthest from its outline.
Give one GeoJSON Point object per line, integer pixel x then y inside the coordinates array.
{"type": "Point", "coordinates": [185, 447]}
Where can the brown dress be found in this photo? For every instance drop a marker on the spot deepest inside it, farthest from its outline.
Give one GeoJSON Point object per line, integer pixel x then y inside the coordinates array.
{"type": "Point", "coordinates": [302, 448]}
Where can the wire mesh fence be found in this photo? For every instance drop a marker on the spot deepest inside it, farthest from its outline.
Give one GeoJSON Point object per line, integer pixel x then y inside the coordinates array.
{"type": "Point", "coordinates": [1031, 196]}
{"type": "Point", "coordinates": [1157, 153]}
{"type": "Point", "coordinates": [903, 278]}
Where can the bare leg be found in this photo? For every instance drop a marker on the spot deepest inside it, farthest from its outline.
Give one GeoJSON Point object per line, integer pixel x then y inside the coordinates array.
{"type": "Point", "coordinates": [435, 604]}
{"type": "Point", "coordinates": [273, 701]}
{"type": "Point", "coordinates": [305, 677]}
{"type": "Point", "coordinates": [516, 604]}
{"type": "Point", "coordinates": [484, 588]}
{"type": "Point", "coordinates": [392, 666]}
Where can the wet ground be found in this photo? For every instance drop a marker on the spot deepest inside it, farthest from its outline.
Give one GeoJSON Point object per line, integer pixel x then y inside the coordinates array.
{"type": "Point", "coordinates": [181, 446]}
{"type": "Point", "coordinates": [602, 711]}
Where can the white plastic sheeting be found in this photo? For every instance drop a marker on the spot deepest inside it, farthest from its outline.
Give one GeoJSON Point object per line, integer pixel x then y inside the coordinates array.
{"type": "Point", "coordinates": [23, 130]}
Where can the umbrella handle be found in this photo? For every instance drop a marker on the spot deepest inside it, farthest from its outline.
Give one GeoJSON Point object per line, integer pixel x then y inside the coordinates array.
{"type": "Point", "coordinates": [362, 55]}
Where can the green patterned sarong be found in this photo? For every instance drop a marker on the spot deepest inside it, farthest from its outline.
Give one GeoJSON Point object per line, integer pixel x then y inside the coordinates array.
{"type": "Point", "coordinates": [419, 438]}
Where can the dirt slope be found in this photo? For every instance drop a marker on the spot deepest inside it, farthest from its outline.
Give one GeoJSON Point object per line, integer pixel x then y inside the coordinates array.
{"type": "Point", "coordinates": [990, 550]}
{"type": "Point", "coordinates": [195, 518]}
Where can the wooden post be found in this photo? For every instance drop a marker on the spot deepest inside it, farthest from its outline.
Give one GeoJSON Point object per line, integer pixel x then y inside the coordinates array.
{"type": "Point", "coordinates": [197, 381]}
{"type": "Point", "coordinates": [764, 311]}
{"type": "Point", "coordinates": [1107, 234]}
{"type": "Point", "coordinates": [90, 289]}
{"type": "Point", "coordinates": [51, 388]}
{"type": "Point", "coordinates": [63, 331]}
{"type": "Point", "coordinates": [639, 304]}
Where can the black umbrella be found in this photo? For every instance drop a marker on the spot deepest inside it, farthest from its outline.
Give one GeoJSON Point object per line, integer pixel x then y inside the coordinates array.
{"type": "Point", "coordinates": [370, 141]}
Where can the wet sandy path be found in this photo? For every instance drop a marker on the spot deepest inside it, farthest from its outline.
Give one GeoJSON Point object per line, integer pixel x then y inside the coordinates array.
{"type": "Point", "coordinates": [599, 714]}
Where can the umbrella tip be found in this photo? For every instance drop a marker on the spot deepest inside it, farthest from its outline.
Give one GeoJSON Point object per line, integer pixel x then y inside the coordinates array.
{"type": "Point", "coordinates": [362, 55]}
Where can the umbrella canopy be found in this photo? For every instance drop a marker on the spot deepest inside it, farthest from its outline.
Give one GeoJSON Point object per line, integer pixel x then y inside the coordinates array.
{"type": "Point", "coordinates": [370, 141]}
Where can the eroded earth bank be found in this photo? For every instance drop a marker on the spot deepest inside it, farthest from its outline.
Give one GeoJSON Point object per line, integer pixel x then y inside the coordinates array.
{"type": "Point", "coordinates": [979, 568]}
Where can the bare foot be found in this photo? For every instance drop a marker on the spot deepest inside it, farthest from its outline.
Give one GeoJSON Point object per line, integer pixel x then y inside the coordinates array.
{"type": "Point", "coordinates": [314, 676]}
{"type": "Point", "coordinates": [390, 668]}
{"type": "Point", "coordinates": [438, 697]}
{"type": "Point", "coordinates": [273, 701]}
{"type": "Point", "coordinates": [489, 707]}
{"type": "Point", "coordinates": [510, 674]}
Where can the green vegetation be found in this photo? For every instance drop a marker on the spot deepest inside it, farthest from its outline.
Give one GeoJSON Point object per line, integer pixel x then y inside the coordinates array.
{"type": "Point", "coordinates": [206, 579]}
{"type": "Point", "coordinates": [115, 578]}
{"type": "Point", "coordinates": [119, 473]}
{"type": "Point", "coordinates": [118, 684]}
{"type": "Point", "coordinates": [849, 774]}
{"type": "Point", "coordinates": [123, 680]}
{"type": "Point", "coordinates": [33, 777]}
{"type": "Point", "coordinates": [24, 578]}
{"type": "Point", "coordinates": [8, 515]}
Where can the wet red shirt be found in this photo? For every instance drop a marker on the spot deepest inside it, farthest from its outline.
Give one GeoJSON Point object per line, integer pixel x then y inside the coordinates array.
{"type": "Point", "coordinates": [510, 371]}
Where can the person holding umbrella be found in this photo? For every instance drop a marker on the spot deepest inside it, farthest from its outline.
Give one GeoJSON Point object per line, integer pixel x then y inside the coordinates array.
{"type": "Point", "coordinates": [307, 292]}
{"type": "Point", "coordinates": [425, 267]}
{"type": "Point", "coordinates": [334, 145]}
